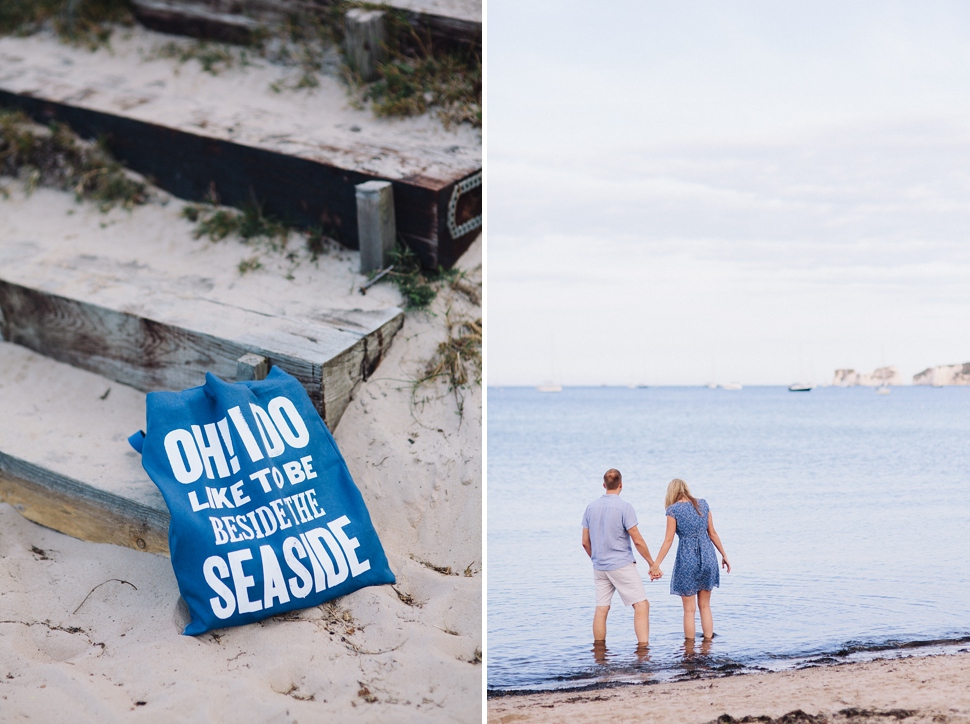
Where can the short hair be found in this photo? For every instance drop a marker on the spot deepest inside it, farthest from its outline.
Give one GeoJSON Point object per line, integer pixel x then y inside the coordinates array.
{"type": "Point", "coordinates": [612, 479]}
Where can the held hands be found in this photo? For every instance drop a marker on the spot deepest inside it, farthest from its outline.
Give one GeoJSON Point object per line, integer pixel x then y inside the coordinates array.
{"type": "Point", "coordinates": [655, 572]}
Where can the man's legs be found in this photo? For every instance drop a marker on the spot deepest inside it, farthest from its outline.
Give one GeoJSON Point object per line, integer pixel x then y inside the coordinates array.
{"type": "Point", "coordinates": [599, 623]}
{"type": "Point", "coordinates": [641, 622]}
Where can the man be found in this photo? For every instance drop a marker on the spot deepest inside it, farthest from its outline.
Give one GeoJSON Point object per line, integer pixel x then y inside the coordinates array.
{"type": "Point", "coordinates": [609, 525]}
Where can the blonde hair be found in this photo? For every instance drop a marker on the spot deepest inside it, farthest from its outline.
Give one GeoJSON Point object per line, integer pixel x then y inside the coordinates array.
{"type": "Point", "coordinates": [678, 489]}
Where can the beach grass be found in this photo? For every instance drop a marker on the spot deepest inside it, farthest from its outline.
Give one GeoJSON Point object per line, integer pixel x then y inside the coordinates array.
{"type": "Point", "coordinates": [54, 156]}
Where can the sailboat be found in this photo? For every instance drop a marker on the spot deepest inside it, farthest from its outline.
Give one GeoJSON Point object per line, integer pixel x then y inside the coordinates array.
{"type": "Point", "coordinates": [549, 387]}
{"type": "Point", "coordinates": [802, 386]}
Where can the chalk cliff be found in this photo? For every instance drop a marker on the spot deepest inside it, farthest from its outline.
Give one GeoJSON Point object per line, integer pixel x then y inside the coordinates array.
{"type": "Point", "coordinates": [881, 376]}
{"type": "Point", "coordinates": [944, 375]}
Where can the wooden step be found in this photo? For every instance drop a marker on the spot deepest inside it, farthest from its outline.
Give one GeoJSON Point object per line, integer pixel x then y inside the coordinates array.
{"type": "Point", "coordinates": [456, 21]}
{"type": "Point", "coordinates": [64, 458]}
{"type": "Point", "coordinates": [298, 154]}
{"type": "Point", "coordinates": [448, 21]}
{"type": "Point", "coordinates": [133, 303]}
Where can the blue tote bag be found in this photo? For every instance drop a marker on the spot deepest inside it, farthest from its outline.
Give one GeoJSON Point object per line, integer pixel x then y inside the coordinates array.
{"type": "Point", "coordinates": [265, 515]}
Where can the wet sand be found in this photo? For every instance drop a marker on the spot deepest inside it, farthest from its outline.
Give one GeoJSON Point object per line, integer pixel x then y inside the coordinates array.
{"type": "Point", "coordinates": [913, 689]}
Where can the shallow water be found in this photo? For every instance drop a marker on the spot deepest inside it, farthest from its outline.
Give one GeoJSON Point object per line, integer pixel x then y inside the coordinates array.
{"type": "Point", "coordinates": [844, 513]}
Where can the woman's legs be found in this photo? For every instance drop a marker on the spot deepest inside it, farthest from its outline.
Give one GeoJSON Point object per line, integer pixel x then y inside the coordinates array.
{"type": "Point", "coordinates": [707, 618]}
{"type": "Point", "coordinates": [703, 602]}
{"type": "Point", "coordinates": [690, 610]}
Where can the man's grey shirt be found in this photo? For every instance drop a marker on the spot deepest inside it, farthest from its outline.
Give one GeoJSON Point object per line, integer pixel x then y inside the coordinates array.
{"type": "Point", "coordinates": [608, 519]}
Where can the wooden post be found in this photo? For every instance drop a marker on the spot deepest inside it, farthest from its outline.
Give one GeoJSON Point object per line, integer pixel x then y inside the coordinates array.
{"type": "Point", "coordinates": [376, 227]}
{"type": "Point", "coordinates": [365, 41]}
{"type": "Point", "coordinates": [251, 367]}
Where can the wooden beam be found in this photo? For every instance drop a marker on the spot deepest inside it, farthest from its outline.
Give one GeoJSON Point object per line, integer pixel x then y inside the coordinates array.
{"type": "Point", "coordinates": [365, 41]}
{"type": "Point", "coordinates": [64, 459]}
{"type": "Point", "coordinates": [452, 24]}
{"type": "Point", "coordinates": [251, 367]}
{"type": "Point", "coordinates": [376, 224]}
{"type": "Point", "coordinates": [182, 18]}
{"type": "Point", "coordinates": [173, 342]}
{"type": "Point", "coordinates": [84, 512]}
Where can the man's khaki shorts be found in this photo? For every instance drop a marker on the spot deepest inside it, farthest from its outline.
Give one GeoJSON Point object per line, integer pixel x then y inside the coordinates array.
{"type": "Point", "coordinates": [626, 581]}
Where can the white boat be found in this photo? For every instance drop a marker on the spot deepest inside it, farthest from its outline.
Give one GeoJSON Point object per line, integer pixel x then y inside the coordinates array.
{"type": "Point", "coordinates": [549, 388]}
{"type": "Point", "coordinates": [731, 386]}
{"type": "Point", "coordinates": [882, 390]}
{"type": "Point", "coordinates": [799, 387]}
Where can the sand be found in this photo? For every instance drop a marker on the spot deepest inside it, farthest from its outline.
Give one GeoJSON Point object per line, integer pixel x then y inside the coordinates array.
{"type": "Point", "coordinates": [914, 689]}
{"type": "Point", "coordinates": [92, 632]}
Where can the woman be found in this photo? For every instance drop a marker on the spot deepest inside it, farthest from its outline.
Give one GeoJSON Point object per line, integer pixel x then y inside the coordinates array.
{"type": "Point", "coordinates": [695, 569]}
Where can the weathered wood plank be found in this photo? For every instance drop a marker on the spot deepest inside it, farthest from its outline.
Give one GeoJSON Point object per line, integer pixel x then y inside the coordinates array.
{"type": "Point", "coordinates": [365, 41]}
{"type": "Point", "coordinates": [181, 18]}
{"type": "Point", "coordinates": [251, 367]}
{"type": "Point", "coordinates": [151, 354]}
{"type": "Point", "coordinates": [376, 225]}
{"type": "Point", "coordinates": [135, 332]}
{"type": "Point", "coordinates": [458, 22]}
{"type": "Point", "coordinates": [64, 459]}
{"type": "Point", "coordinates": [78, 512]}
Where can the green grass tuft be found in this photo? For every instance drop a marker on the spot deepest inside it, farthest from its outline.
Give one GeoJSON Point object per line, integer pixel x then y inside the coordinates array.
{"type": "Point", "coordinates": [81, 22]}
{"type": "Point", "coordinates": [54, 156]}
{"type": "Point", "coordinates": [412, 86]}
{"type": "Point", "coordinates": [250, 225]}
{"type": "Point", "coordinates": [250, 264]}
{"type": "Point", "coordinates": [418, 286]}
{"type": "Point", "coordinates": [214, 58]}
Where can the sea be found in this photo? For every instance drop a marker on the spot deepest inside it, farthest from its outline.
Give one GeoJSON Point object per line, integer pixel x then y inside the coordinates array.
{"type": "Point", "coordinates": [845, 515]}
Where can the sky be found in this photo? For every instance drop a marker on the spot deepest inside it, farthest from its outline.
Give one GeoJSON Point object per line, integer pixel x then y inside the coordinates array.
{"type": "Point", "coordinates": [760, 192]}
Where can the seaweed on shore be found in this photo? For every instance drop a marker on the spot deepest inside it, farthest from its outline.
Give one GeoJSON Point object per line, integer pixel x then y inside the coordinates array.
{"type": "Point", "coordinates": [798, 716]}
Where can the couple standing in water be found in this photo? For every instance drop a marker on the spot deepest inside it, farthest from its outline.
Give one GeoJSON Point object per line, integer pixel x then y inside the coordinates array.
{"type": "Point", "coordinates": [610, 526]}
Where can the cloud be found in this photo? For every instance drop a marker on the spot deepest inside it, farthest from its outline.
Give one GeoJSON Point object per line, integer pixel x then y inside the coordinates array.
{"type": "Point", "coordinates": [732, 185]}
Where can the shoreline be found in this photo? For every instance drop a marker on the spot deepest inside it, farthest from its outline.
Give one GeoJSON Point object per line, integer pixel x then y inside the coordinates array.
{"type": "Point", "coordinates": [912, 688]}
{"type": "Point", "coordinates": [702, 670]}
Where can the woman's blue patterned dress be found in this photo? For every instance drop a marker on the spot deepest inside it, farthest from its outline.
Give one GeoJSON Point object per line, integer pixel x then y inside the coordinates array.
{"type": "Point", "coordinates": [695, 568]}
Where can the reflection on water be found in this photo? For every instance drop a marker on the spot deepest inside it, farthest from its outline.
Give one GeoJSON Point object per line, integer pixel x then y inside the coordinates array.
{"type": "Point", "coordinates": [695, 660]}
{"type": "Point", "coordinates": [620, 660]}
{"type": "Point", "coordinates": [808, 492]}
{"type": "Point", "coordinates": [601, 653]}
{"type": "Point", "coordinates": [694, 653]}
